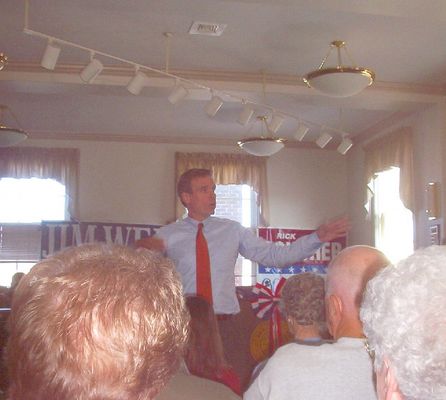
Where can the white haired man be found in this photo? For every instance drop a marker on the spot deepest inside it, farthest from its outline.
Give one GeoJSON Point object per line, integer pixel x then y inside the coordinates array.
{"type": "Point", "coordinates": [403, 313]}
{"type": "Point", "coordinates": [337, 371]}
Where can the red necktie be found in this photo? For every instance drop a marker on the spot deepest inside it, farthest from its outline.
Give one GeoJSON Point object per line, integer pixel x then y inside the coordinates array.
{"type": "Point", "coordinates": [204, 284]}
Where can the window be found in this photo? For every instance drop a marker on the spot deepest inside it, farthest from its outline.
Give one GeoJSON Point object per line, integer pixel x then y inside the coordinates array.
{"type": "Point", "coordinates": [31, 200]}
{"type": "Point", "coordinates": [392, 221]}
{"type": "Point", "coordinates": [24, 203]}
{"type": "Point", "coordinates": [239, 203]}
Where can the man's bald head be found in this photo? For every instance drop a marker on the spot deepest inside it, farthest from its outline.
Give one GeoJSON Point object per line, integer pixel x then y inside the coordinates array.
{"type": "Point", "coordinates": [347, 277]}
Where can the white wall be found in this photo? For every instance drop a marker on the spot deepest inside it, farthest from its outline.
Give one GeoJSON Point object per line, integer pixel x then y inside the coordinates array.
{"type": "Point", "coordinates": [134, 182]}
{"type": "Point", "coordinates": [306, 187]}
{"type": "Point", "coordinates": [429, 130]}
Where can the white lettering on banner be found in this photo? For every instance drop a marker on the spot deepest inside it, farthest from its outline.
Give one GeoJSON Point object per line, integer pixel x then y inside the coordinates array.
{"type": "Point", "coordinates": [327, 251]}
{"type": "Point", "coordinates": [286, 236]}
{"type": "Point", "coordinates": [57, 236]}
{"type": "Point", "coordinates": [63, 237]}
{"type": "Point", "coordinates": [90, 234]}
{"type": "Point", "coordinates": [138, 232]}
{"type": "Point", "coordinates": [119, 239]}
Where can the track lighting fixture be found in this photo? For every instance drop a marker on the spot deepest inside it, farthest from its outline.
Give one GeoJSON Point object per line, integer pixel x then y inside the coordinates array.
{"type": "Point", "coordinates": [324, 79]}
{"type": "Point", "coordinates": [323, 139]}
{"type": "Point", "coordinates": [50, 56]}
{"type": "Point", "coordinates": [3, 60]}
{"type": "Point", "coordinates": [276, 122]}
{"type": "Point", "coordinates": [178, 93]}
{"type": "Point", "coordinates": [345, 145]}
{"type": "Point", "coordinates": [213, 105]}
{"type": "Point", "coordinates": [92, 70]}
{"type": "Point", "coordinates": [246, 114]}
{"type": "Point", "coordinates": [136, 84]}
{"type": "Point", "coordinates": [301, 131]}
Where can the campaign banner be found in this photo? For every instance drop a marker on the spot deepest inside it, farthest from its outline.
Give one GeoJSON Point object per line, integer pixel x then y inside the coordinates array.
{"type": "Point", "coordinates": [57, 235]}
{"type": "Point", "coordinates": [269, 275]}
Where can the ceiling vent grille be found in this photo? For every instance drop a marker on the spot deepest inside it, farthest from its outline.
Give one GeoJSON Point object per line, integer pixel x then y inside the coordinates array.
{"type": "Point", "coordinates": [207, 28]}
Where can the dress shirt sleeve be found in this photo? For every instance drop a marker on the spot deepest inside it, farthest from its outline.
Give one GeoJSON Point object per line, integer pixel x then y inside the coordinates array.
{"type": "Point", "coordinates": [272, 254]}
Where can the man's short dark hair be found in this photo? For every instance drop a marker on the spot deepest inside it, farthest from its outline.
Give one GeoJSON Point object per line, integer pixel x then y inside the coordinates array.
{"type": "Point", "coordinates": [184, 183]}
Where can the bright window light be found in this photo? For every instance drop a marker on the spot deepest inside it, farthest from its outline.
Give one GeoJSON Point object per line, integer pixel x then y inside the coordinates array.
{"type": "Point", "coordinates": [31, 200]}
{"type": "Point", "coordinates": [239, 203]}
{"type": "Point", "coordinates": [22, 202]}
{"type": "Point", "coordinates": [393, 221]}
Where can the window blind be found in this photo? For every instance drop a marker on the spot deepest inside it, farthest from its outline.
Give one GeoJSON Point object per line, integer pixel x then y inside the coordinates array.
{"type": "Point", "coordinates": [20, 242]}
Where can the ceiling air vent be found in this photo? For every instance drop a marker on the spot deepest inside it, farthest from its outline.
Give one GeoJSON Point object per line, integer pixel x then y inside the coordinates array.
{"type": "Point", "coordinates": [207, 28]}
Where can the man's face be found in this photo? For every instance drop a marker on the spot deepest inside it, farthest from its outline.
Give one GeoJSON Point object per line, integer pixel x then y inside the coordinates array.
{"type": "Point", "coordinates": [201, 202]}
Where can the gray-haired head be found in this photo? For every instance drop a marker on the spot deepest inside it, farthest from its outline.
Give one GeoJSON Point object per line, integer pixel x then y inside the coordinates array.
{"type": "Point", "coordinates": [403, 314]}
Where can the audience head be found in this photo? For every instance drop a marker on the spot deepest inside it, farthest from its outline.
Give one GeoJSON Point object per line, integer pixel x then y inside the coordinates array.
{"type": "Point", "coordinates": [347, 276]}
{"type": "Point", "coordinates": [96, 322]}
{"type": "Point", "coordinates": [204, 354]}
{"type": "Point", "coordinates": [302, 303]}
{"type": "Point", "coordinates": [403, 313]}
{"type": "Point", "coordinates": [16, 279]}
{"type": "Point", "coordinates": [184, 184]}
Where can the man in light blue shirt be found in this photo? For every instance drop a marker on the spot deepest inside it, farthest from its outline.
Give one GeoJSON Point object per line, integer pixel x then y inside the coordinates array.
{"type": "Point", "coordinates": [225, 239]}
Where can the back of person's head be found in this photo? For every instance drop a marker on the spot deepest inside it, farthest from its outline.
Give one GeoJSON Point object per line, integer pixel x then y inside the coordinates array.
{"type": "Point", "coordinates": [96, 322]}
{"type": "Point", "coordinates": [16, 279]}
{"type": "Point", "coordinates": [403, 313]}
{"type": "Point", "coordinates": [347, 277]}
{"type": "Point", "coordinates": [302, 299]}
{"type": "Point", "coordinates": [204, 354]}
{"type": "Point", "coordinates": [184, 182]}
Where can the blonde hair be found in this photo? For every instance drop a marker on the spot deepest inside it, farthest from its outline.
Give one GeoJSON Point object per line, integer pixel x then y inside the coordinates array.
{"type": "Point", "coordinates": [96, 322]}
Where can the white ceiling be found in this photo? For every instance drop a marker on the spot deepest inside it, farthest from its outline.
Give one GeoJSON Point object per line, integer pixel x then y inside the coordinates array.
{"type": "Point", "coordinates": [276, 42]}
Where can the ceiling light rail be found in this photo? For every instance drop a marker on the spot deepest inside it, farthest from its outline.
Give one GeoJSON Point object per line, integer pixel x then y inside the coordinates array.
{"type": "Point", "coordinates": [181, 88]}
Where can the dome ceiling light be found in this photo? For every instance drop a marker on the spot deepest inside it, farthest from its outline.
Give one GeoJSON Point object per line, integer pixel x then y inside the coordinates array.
{"type": "Point", "coordinates": [341, 80]}
{"type": "Point", "coordinates": [262, 145]}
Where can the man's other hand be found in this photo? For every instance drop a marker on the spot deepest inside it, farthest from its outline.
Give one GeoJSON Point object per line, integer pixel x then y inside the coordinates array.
{"type": "Point", "coordinates": [333, 229]}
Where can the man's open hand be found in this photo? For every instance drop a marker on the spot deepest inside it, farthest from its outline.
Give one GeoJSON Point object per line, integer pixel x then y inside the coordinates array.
{"type": "Point", "coordinates": [333, 229]}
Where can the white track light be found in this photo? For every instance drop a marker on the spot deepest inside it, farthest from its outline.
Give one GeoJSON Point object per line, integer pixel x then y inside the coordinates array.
{"type": "Point", "coordinates": [345, 145]}
{"type": "Point", "coordinates": [178, 93]}
{"type": "Point", "coordinates": [92, 70]}
{"type": "Point", "coordinates": [213, 106]}
{"type": "Point", "coordinates": [323, 140]}
{"type": "Point", "coordinates": [276, 122]}
{"type": "Point", "coordinates": [246, 115]}
{"type": "Point", "coordinates": [301, 131]}
{"type": "Point", "coordinates": [50, 56]}
{"type": "Point", "coordinates": [136, 84]}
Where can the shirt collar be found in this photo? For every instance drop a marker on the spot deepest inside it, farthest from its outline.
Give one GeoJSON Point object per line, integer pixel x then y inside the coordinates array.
{"type": "Point", "coordinates": [194, 222]}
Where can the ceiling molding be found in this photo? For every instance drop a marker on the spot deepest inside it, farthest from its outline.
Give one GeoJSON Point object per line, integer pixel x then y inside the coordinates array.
{"type": "Point", "coordinates": [238, 84]}
{"type": "Point", "coordinates": [379, 127]}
